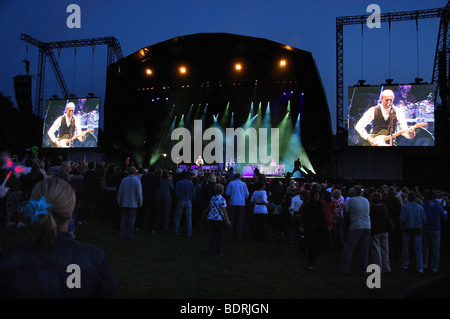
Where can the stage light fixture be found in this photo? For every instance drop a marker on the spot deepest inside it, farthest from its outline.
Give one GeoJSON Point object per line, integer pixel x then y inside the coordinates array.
{"type": "Point", "coordinates": [148, 71]}
{"type": "Point", "coordinates": [183, 70]}
{"type": "Point", "coordinates": [238, 67]}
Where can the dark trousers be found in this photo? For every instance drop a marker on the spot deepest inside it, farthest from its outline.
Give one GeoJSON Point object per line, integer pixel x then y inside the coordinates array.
{"type": "Point", "coordinates": [314, 239]}
{"type": "Point", "coordinates": [151, 214]}
{"type": "Point", "coordinates": [260, 222]}
{"type": "Point", "coordinates": [236, 215]}
{"type": "Point", "coordinates": [216, 236]}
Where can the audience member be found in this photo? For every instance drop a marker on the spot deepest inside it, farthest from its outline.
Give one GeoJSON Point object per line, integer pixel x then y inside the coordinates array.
{"type": "Point", "coordinates": [129, 199]}
{"type": "Point", "coordinates": [412, 219]}
{"type": "Point", "coordinates": [358, 210]}
{"type": "Point", "coordinates": [294, 215]}
{"type": "Point", "coordinates": [330, 210]}
{"type": "Point", "coordinates": [260, 201]}
{"type": "Point", "coordinates": [40, 268]}
{"type": "Point", "coordinates": [313, 222]}
{"type": "Point", "coordinates": [393, 202]}
{"type": "Point", "coordinates": [338, 219]}
{"type": "Point", "coordinates": [166, 189]}
{"type": "Point", "coordinates": [92, 188]}
{"type": "Point", "coordinates": [237, 192]}
{"type": "Point", "coordinates": [150, 210]}
{"type": "Point", "coordinates": [431, 240]}
{"type": "Point", "coordinates": [184, 194]}
{"type": "Point", "coordinates": [217, 216]}
{"type": "Point", "coordinates": [380, 224]}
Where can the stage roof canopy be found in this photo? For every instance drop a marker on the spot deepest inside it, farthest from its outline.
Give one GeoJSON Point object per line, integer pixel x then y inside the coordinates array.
{"type": "Point", "coordinates": [174, 77]}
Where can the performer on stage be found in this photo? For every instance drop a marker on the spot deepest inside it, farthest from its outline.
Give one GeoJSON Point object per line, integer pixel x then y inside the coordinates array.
{"type": "Point", "coordinates": [199, 162]}
{"type": "Point", "coordinates": [297, 166]}
{"type": "Point", "coordinates": [273, 163]}
{"type": "Point", "coordinates": [387, 121]}
{"type": "Point", "coordinates": [69, 127]}
{"type": "Point", "coordinates": [230, 163]}
{"type": "Point", "coordinates": [273, 167]}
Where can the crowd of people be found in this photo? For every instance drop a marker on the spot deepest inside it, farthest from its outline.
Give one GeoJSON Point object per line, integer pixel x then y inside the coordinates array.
{"type": "Point", "coordinates": [315, 216]}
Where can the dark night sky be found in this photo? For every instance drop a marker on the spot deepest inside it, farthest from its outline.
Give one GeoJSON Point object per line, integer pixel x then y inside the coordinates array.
{"type": "Point", "coordinates": [306, 25]}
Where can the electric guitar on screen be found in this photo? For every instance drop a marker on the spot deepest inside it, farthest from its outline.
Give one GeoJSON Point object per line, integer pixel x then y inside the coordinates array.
{"type": "Point", "coordinates": [382, 137]}
{"type": "Point", "coordinates": [65, 141]}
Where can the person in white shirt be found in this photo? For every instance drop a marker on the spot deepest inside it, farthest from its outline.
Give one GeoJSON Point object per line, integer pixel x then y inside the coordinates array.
{"type": "Point", "coordinates": [199, 162]}
{"type": "Point", "coordinates": [260, 212]}
{"type": "Point", "coordinates": [384, 116]}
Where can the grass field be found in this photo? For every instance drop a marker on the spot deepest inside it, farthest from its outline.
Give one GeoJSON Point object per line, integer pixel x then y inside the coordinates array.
{"type": "Point", "coordinates": [161, 266]}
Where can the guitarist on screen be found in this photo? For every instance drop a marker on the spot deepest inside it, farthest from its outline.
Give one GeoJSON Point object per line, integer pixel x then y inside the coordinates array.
{"type": "Point", "coordinates": [387, 121]}
{"type": "Point", "coordinates": [69, 128]}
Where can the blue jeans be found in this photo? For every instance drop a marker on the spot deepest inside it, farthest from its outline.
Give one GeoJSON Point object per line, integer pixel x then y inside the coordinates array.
{"type": "Point", "coordinates": [431, 240]}
{"type": "Point", "coordinates": [417, 241]}
{"type": "Point", "coordinates": [127, 221]}
{"type": "Point", "coordinates": [355, 237]}
{"type": "Point", "coordinates": [379, 251]}
{"type": "Point", "coordinates": [186, 206]}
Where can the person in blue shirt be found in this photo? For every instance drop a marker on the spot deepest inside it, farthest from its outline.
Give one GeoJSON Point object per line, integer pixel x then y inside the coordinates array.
{"type": "Point", "coordinates": [217, 216]}
{"type": "Point", "coordinates": [412, 219]}
{"type": "Point", "coordinates": [52, 264]}
{"type": "Point", "coordinates": [435, 214]}
{"type": "Point", "coordinates": [237, 192]}
{"type": "Point", "coordinates": [184, 194]}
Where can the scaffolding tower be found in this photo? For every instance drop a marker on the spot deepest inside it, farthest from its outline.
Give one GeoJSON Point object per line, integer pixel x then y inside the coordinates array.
{"type": "Point", "coordinates": [440, 72]}
{"type": "Point", "coordinates": [114, 53]}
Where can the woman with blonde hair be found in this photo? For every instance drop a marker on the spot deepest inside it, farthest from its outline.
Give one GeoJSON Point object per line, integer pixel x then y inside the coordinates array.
{"type": "Point", "coordinates": [52, 264]}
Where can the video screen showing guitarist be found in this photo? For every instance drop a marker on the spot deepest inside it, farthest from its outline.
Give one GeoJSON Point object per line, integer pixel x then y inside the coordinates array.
{"type": "Point", "coordinates": [388, 122]}
{"type": "Point", "coordinates": [68, 128]}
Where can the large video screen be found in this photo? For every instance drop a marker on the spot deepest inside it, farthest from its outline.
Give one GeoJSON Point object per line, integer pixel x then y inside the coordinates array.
{"type": "Point", "coordinates": [71, 123]}
{"type": "Point", "coordinates": [396, 115]}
